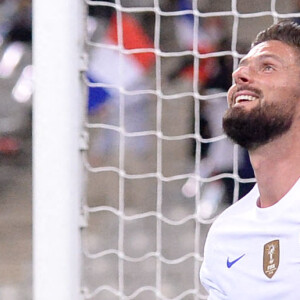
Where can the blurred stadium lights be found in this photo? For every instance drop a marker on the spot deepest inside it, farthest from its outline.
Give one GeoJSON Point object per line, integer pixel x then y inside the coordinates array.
{"type": "Point", "coordinates": [23, 89]}
{"type": "Point", "coordinates": [11, 58]}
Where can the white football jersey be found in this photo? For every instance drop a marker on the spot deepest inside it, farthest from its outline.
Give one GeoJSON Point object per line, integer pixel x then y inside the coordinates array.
{"type": "Point", "coordinates": [253, 253]}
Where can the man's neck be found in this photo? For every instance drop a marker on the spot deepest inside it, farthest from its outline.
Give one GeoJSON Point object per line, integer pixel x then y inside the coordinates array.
{"type": "Point", "coordinates": [277, 168]}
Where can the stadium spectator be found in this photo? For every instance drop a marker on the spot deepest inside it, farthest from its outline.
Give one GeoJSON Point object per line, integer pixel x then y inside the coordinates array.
{"type": "Point", "coordinates": [214, 78]}
{"type": "Point", "coordinates": [120, 71]}
{"type": "Point", "coordinates": [252, 249]}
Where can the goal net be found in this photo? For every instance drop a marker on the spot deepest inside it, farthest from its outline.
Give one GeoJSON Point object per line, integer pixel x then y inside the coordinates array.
{"type": "Point", "coordinates": [159, 169]}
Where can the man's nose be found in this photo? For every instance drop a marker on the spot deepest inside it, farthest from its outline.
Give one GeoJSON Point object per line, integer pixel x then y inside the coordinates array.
{"type": "Point", "coordinates": [242, 75]}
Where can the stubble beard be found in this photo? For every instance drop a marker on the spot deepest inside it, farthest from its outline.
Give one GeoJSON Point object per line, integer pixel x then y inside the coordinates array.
{"type": "Point", "coordinates": [260, 125]}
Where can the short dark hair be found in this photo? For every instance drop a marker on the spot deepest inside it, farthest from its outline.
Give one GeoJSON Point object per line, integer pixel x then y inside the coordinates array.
{"type": "Point", "coordinates": [285, 31]}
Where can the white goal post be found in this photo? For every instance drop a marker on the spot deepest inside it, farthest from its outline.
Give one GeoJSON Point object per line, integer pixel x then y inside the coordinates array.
{"type": "Point", "coordinates": [58, 108]}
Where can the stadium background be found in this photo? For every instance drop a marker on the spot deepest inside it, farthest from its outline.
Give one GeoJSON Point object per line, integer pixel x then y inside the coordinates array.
{"type": "Point", "coordinates": [16, 170]}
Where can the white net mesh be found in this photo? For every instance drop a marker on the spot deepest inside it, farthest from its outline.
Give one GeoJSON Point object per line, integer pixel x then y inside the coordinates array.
{"type": "Point", "coordinates": [159, 169]}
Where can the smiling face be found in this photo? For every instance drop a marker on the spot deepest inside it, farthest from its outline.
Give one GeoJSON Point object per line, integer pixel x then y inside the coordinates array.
{"type": "Point", "coordinates": [265, 96]}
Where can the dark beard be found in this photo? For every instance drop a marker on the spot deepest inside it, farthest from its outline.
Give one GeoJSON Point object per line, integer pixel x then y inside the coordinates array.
{"type": "Point", "coordinates": [262, 124]}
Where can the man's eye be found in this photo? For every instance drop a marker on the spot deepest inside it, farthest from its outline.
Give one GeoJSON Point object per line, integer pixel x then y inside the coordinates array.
{"type": "Point", "coordinates": [268, 67]}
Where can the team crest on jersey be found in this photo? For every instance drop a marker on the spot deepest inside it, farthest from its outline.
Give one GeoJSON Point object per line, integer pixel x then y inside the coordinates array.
{"type": "Point", "coordinates": [271, 258]}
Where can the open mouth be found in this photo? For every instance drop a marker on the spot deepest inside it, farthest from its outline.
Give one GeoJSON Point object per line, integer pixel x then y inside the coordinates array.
{"type": "Point", "coordinates": [244, 98]}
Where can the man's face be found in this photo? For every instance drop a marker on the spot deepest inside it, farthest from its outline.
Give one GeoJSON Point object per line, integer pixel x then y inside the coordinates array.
{"type": "Point", "coordinates": [266, 94]}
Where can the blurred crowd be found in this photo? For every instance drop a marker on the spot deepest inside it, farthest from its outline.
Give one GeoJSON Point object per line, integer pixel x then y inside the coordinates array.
{"type": "Point", "coordinates": [15, 75]}
{"type": "Point", "coordinates": [119, 82]}
{"type": "Point", "coordinates": [213, 76]}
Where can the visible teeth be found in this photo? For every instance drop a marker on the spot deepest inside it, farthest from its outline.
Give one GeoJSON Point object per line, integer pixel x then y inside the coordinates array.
{"type": "Point", "coordinates": [244, 97]}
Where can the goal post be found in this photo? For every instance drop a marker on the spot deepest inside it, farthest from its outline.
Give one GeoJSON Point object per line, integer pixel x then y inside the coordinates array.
{"type": "Point", "coordinates": [58, 105]}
